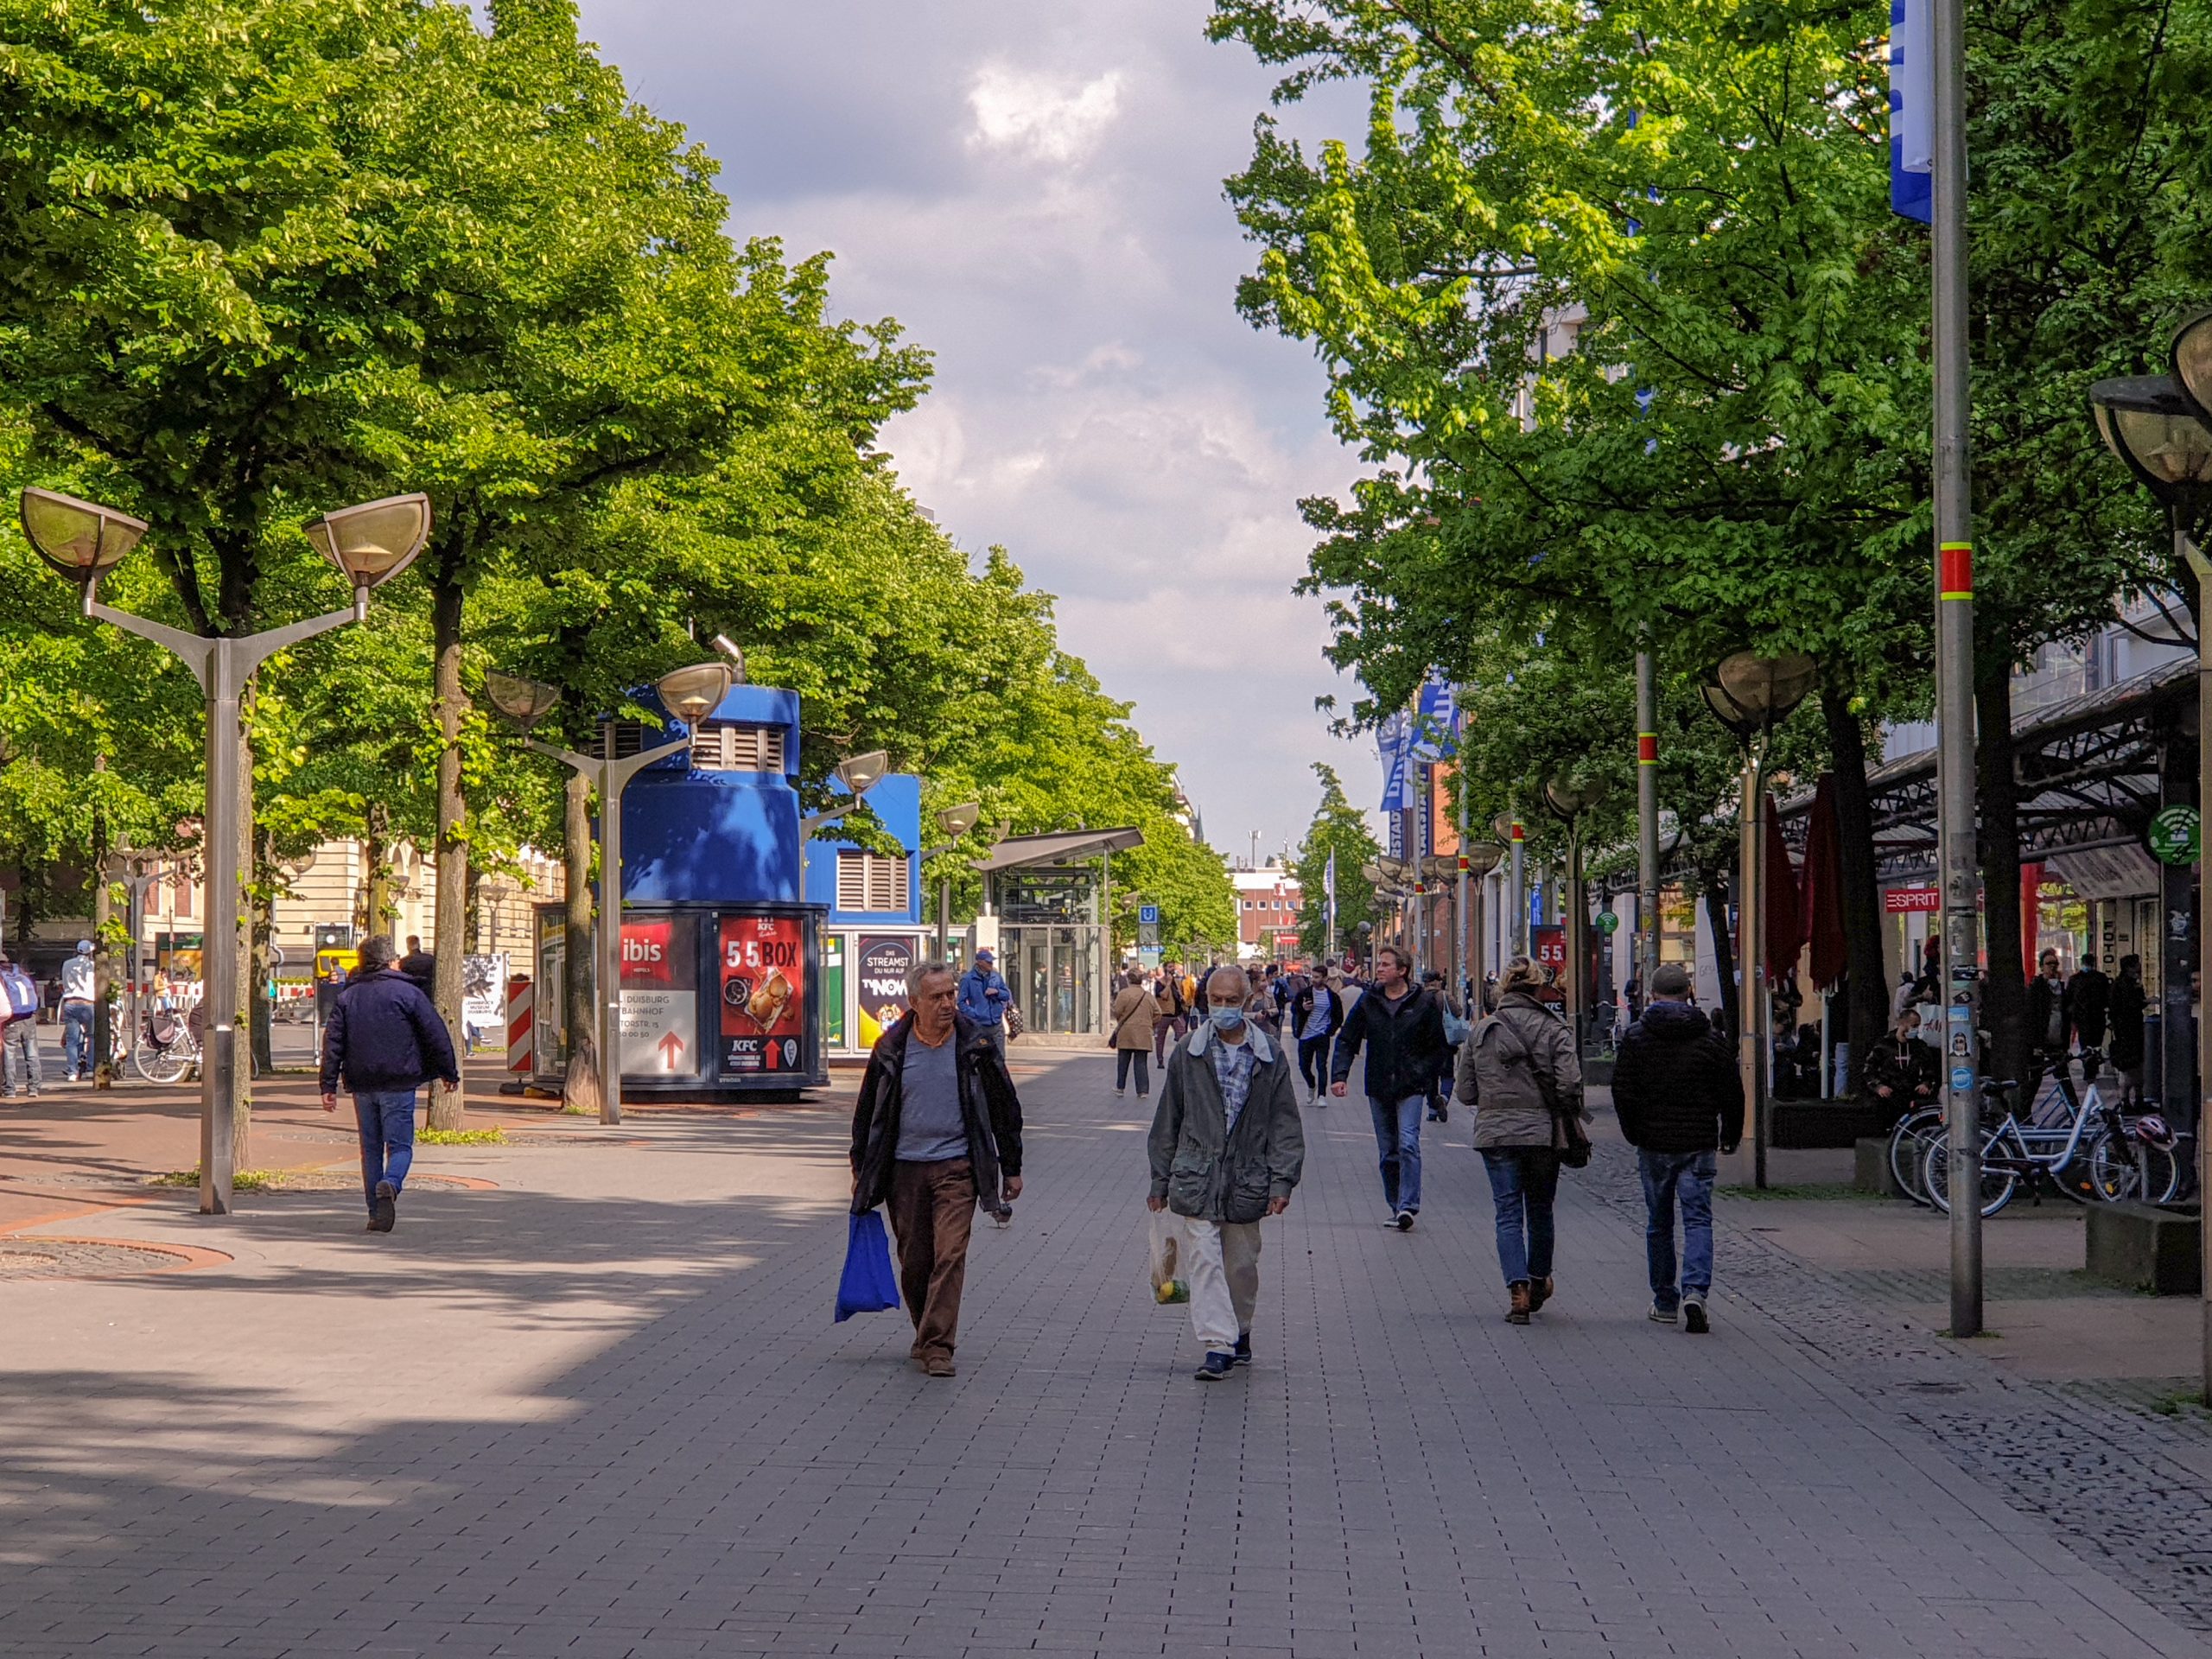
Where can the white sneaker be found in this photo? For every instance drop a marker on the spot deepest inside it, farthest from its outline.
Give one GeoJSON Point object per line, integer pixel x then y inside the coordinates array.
{"type": "Point", "coordinates": [1663, 1315]}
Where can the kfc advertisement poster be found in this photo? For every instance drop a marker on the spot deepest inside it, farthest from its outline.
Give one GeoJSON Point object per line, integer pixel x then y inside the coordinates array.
{"type": "Point", "coordinates": [763, 968]}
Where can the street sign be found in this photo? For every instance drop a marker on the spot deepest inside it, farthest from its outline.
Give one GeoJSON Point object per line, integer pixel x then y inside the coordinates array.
{"type": "Point", "coordinates": [2175, 835]}
{"type": "Point", "coordinates": [1149, 914]}
{"type": "Point", "coordinates": [1608, 923]}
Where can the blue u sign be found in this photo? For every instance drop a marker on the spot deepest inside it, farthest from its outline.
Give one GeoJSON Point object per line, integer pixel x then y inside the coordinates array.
{"type": "Point", "coordinates": [1149, 914]}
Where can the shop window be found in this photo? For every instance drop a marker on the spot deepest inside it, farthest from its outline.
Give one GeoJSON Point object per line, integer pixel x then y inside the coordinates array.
{"type": "Point", "coordinates": [872, 882]}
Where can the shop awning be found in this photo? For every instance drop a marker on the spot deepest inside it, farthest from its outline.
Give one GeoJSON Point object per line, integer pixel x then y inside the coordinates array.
{"type": "Point", "coordinates": [1060, 846]}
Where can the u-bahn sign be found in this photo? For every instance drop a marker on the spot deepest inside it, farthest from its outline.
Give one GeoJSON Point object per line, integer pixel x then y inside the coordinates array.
{"type": "Point", "coordinates": [2174, 836]}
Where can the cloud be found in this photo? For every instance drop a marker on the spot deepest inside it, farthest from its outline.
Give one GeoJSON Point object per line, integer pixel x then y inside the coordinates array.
{"type": "Point", "coordinates": [1040, 116]}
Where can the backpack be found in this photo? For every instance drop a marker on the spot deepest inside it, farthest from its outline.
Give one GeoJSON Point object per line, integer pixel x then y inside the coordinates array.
{"type": "Point", "coordinates": [23, 995]}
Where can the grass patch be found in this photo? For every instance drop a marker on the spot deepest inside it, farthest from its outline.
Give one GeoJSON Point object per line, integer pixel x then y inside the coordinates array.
{"type": "Point", "coordinates": [578, 1111]}
{"type": "Point", "coordinates": [245, 1181]}
{"type": "Point", "coordinates": [493, 1137]}
{"type": "Point", "coordinates": [1831, 1191]}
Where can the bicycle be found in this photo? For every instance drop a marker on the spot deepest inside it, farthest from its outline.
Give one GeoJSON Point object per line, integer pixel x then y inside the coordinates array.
{"type": "Point", "coordinates": [170, 1048]}
{"type": "Point", "coordinates": [2119, 1163]}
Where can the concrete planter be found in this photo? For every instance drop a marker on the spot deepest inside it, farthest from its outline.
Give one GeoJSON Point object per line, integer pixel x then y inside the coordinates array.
{"type": "Point", "coordinates": [2147, 1247]}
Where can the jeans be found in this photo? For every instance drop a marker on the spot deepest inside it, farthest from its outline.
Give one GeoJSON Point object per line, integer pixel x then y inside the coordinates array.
{"type": "Point", "coordinates": [932, 1211]}
{"type": "Point", "coordinates": [1397, 1139]}
{"type": "Point", "coordinates": [1523, 1181]}
{"type": "Point", "coordinates": [1224, 1275]}
{"type": "Point", "coordinates": [20, 1043]}
{"type": "Point", "coordinates": [1122, 1058]}
{"type": "Point", "coordinates": [1313, 1063]}
{"type": "Point", "coordinates": [1669, 1176]}
{"type": "Point", "coordinates": [77, 1039]}
{"type": "Point", "coordinates": [386, 1117]}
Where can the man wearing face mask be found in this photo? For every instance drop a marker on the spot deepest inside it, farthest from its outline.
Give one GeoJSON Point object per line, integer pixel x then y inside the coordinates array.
{"type": "Point", "coordinates": [1903, 1072]}
{"type": "Point", "coordinates": [1225, 1150]}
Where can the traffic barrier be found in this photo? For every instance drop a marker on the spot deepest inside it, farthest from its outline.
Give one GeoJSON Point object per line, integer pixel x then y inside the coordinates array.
{"type": "Point", "coordinates": [522, 1016]}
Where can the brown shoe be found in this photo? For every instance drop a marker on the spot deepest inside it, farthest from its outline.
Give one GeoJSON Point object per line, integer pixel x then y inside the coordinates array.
{"type": "Point", "coordinates": [938, 1365]}
{"type": "Point", "coordinates": [1518, 1313]}
{"type": "Point", "coordinates": [1540, 1292]}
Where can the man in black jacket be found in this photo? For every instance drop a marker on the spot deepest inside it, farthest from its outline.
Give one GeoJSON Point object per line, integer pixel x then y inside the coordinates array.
{"type": "Point", "coordinates": [937, 1131]}
{"type": "Point", "coordinates": [383, 1041]}
{"type": "Point", "coordinates": [1678, 1098]}
{"type": "Point", "coordinates": [1402, 1028]}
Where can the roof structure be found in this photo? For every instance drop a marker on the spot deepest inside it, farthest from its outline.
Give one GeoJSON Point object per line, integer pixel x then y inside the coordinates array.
{"type": "Point", "coordinates": [1060, 846]}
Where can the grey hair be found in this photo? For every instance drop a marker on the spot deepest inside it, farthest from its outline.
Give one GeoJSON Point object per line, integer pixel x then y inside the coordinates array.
{"type": "Point", "coordinates": [1243, 985]}
{"type": "Point", "coordinates": [377, 950]}
{"type": "Point", "coordinates": [922, 970]}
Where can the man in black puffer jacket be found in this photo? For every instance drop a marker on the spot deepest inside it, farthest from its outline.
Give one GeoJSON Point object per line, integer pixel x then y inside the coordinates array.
{"type": "Point", "coordinates": [1679, 1099]}
{"type": "Point", "coordinates": [384, 1041]}
{"type": "Point", "coordinates": [1402, 1028]}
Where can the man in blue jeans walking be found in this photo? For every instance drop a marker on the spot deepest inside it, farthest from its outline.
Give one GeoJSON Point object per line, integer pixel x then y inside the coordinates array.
{"type": "Point", "coordinates": [1678, 1098]}
{"type": "Point", "coordinates": [383, 1041]}
{"type": "Point", "coordinates": [1402, 1028]}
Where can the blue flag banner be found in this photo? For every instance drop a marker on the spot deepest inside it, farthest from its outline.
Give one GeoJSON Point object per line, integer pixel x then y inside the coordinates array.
{"type": "Point", "coordinates": [1912, 109]}
{"type": "Point", "coordinates": [1394, 738]}
{"type": "Point", "coordinates": [1436, 722]}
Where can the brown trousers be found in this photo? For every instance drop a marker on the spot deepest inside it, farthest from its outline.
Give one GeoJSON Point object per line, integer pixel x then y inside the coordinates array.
{"type": "Point", "coordinates": [933, 1207]}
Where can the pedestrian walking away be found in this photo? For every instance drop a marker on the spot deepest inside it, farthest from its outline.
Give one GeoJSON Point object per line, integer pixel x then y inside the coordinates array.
{"type": "Point", "coordinates": [2092, 993]}
{"type": "Point", "coordinates": [984, 997]}
{"type": "Point", "coordinates": [1130, 1037]}
{"type": "Point", "coordinates": [1316, 1015]}
{"type": "Point", "coordinates": [1226, 1149]}
{"type": "Point", "coordinates": [383, 1042]}
{"type": "Point", "coordinates": [1519, 1073]}
{"type": "Point", "coordinates": [1170, 1001]}
{"type": "Point", "coordinates": [937, 1133]}
{"type": "Point", "coordinates": [77, 990]}
{"type": "Point", "coordinates": [1402, 1027]}
{"type": "Point", "coordinates": [1680, 1100]}
{"type": "Point", "coordinates": [420, 966]}
{"type": "Point", "coordinates": [19, 1061]}
{"type": "Point", "coordinates": [2126, 1009]}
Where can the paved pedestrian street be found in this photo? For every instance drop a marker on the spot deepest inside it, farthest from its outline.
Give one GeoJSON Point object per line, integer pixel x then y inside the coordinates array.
{"type": "Point", "coordinates": [593, 1405]}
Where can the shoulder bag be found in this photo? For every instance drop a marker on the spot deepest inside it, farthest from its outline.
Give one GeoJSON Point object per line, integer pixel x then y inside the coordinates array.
{"type": "Point", "coordinates": [1570, 1140]}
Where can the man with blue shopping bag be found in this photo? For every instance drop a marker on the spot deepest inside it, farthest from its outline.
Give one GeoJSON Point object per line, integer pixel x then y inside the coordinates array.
{"type": "Point", "coordinates": [937, 1132]}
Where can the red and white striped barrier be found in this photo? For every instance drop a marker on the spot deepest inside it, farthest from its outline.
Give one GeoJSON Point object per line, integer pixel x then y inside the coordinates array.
{"type": "Point", "coordinates": [522, 1016]}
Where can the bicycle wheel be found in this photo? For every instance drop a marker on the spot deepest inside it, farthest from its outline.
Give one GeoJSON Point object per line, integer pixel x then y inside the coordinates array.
{"type": "Point", "coordinates": [2116, 1172]}
{"type": "Point", "coordinates": [1909, 1150]}
{"type": "Point", "coordinates": [1998, 1185]}
{"type": "Point", "coordinates": [159, 1064]}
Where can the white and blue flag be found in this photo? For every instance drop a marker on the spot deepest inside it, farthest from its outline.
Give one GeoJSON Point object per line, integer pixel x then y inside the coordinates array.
{"type": "Point", "coordinates": [1912, 109]}
{"type": "Point", "coordinates": [1436, 725]}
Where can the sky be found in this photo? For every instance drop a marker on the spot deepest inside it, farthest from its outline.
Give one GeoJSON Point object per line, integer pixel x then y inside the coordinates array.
{"type": "Point", "coordinates": [1034, 192]}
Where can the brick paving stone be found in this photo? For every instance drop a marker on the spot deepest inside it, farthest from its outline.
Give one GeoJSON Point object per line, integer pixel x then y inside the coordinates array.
{"type": "Point", "coordinates": [600, 1411]}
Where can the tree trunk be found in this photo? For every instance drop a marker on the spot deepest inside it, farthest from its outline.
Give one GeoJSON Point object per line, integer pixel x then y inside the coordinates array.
{"type": "Point", "coordinates": [262, 908]}
{"type": "Point", "coordinates": [242, 1070]}
{"type": "Point", "coordinates": [2005, 989]}
{"type": "Point", "coordinates": [377, 906]}
{"type": "Point", "coordinates": [451, 924]}
{"type": "Point", "coordinates": [1867, 1000]}
{"type": "Point", "coordinates": [1715, 884]}
{"type": "Point", "coordinates": [580, 1090]}
{"type": "Point", "coordinates": [103, 919]}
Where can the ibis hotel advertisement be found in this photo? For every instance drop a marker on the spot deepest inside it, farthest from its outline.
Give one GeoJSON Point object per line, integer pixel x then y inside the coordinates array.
{"type": "Point", "coordinates": [763, 966]}
{"type": "Point", "coordinates": [660, 997]}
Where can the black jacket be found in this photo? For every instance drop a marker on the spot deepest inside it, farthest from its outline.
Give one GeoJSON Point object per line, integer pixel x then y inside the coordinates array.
{"type": "Point", "coordinates": [1301, 1010]}
{"type": "Point", "coordinates": [384, 1033]}
{"type": "Point", "coordinates": [1675, 1086]}
{"type": "Point", "coordinates": [2126, 1010]}
{"type": "Point", "coordinates": [2092, 995]}
{"type": "Point", "coordinates": [1904, 1069]}
{"type": "Point", "coordinates": [987, 1103]}
{"type": "Point", "coordinates": [2041, 997]}
{"type": "Point", "coordinates": [1405, 1043]}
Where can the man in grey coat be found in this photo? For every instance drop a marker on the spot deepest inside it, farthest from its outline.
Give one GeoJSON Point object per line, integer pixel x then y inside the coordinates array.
{"type": "Point", "coordinates": [1226, 1149]}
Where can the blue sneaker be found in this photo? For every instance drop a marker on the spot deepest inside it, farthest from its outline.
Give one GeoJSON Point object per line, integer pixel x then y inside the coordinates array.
{"type": "Point", "coordinates": [1243, 1355]}
{"type": "Point", "coordinates": [1217, 1367]}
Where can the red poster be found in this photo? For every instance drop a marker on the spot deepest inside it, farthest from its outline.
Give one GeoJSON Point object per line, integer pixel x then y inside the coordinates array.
{"type": "Point", "coordinates": [763, 968]}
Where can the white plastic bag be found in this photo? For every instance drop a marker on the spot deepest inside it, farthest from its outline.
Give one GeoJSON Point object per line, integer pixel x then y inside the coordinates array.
{"type": "Point", "coordinates": [1163, 1260]}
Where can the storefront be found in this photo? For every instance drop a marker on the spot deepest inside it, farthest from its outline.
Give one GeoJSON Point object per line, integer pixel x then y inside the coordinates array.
{"type": "Point", "coordinates": [1047, 898]}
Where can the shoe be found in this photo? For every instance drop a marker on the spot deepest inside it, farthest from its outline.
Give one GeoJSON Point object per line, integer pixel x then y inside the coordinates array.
{"type": "Point", "coordinates": [387, 1206]}
{"type": "Point", "coordinates": [1443, 1114]}
{"type": "Point", "coordinates": [937, 1365]}
{"type": "Point", "coordinates": [372, 1226]}
{"type": "Point", "coordinates": [1117, 1094]}
{"type": "Point", "coordinates": [1661, 1315]}
{"type": "Point", "coordinates": [1217, 1366]}
{"type": "Point", "coordinates": [1517, 1313]}
{"type": "Point", "coordinates": [1540, 1292]}
{"type": "Point", "coordinates": [1243, 1355]}
{"type": "Point", "coordinates": [1693, 1320]}
{"type": "Point", "coordinates": [1403, 1220]}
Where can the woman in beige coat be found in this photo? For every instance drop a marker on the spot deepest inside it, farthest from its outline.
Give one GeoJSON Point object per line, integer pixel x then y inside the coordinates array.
{"type": "Point", "coordinates": [1129, 1034]}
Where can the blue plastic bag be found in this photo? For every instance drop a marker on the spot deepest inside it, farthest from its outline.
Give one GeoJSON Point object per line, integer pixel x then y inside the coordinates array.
{"type": "Point", "coordinates": [868, 1285]}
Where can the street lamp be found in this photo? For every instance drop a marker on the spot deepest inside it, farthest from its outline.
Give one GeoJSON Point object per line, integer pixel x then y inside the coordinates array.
{"type": "Point", "coordinates": [689, 695]}
{"type": "Point", "coordinates": [955, 822]}
{"type": "Point", "coordinates": [2161, 427]}
{"type": "Point", "coordinates": [369, 544]}
{"type": "Point", "coordinates": [1509, 830]}
{"type": "Point", "coordinates": [1568, 800]}
{"type": "Point", "coordinates": [1477, 860]}
{"type": "Point", "coordinates": [1751, 695]}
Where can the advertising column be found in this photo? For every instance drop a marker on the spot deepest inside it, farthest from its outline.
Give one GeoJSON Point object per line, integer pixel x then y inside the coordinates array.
{"type": "Point", "coordinates": [763, 968]}
{"type": "Point", "coordinates": [660, 998]}
{"type": "Point", "coordinates": [885, 962]}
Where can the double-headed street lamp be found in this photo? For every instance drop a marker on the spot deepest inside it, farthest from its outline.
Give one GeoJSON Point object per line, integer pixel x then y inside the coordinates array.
{"type": "Point", "coordinates": [1751, 695]}
{"type": "Point", "coordinates": [1568, 800]}
{"type": "Point", "coordinates": [1477, 860]}
{"type": "Point", "coordinates": [955, 822]}
{"type": "Point", "coordinates": [1509, 830]}
{"type": "Point", "coordinates": [370, 545]}
{"type": "Point", "coordinates": [689, 694]}
{"type": "Point", "coordinates": [2161, 425]}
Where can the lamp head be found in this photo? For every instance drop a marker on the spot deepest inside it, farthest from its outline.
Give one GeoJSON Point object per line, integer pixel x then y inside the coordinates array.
{"type": "Point", "coordinates": [958, 821]}
{"type": "Point", "coordinates": [80, 539]}
{"type": "Point", "coordinates": [1438, 866]}
{"type": "Point", "coordinates": [861, 772]}
{"type": "Point", "coordinates": [524, 701]}
{"type": "Point", "coordinates": [1570, 799]}
{"type": "Point", "coordinates": [1371, 873]}
{"type": "Point", "coordinates": [374, 542]}
{"type": "Point", "coordinates": [1482, 856]}
{"type": "Point", "coordinates": [2151, 423]}
{"type": "Point", "coordinates": [729, 648]}
{"type": "Point", "coordinates": [1748, 692]}
{"type": "Point", "coordinates": [692, 693]}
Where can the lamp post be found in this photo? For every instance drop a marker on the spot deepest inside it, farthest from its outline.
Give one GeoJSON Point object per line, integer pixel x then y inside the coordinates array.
{"type": "Point", "coordinates": [1436, 869]}
{"type": "Point", "coordinates": [1568, 801]}
{"type": "Point", "coordinates": [1510, 832]}
{"type": "Point", "coordinates": [1477, 860]}
{"type": "Point", "coordinates": [2161, 425]}
{"type": "Point", "coordinates": [689, 694]}
{"type": "Point", "coordinates": [955, 822]}
{"type": "Point", "coordinates": [1750, 695]}
{"type": "Point", "coordinates": [370, 545]}
{"type": "Point", "coordinates": [137, 872]}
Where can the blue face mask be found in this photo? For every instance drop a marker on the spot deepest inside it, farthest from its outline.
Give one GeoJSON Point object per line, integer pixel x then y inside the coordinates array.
{"type": "Point", "coordinates": [1225, 1018]}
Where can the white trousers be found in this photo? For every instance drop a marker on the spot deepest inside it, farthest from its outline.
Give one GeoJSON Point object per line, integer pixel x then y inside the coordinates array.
{"type": "Point", "coordinates": [1224, 1275]}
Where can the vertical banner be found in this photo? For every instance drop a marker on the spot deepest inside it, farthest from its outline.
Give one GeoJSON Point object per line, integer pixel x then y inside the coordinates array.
{"type": "Point", "coordinates": [763, 968]}
{"type": "Point", "coordinates": [883, 968]}
{"type": "Point", "coordinates": [833, 990]}
{"type": "Point", "coordinates": [660, 997]}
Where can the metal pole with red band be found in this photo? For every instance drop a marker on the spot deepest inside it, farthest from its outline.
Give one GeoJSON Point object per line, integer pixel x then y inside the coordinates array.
{"type": "Point", "coordinates": [1955, 571]}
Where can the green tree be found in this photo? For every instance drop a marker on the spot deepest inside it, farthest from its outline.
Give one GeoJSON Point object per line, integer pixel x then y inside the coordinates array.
{"type": "Point", "coordinates": [1338, 831]}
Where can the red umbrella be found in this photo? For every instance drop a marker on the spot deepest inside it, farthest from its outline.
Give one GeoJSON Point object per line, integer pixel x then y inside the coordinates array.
{"type": "Point", "coordinates": [1784, 938]}
{"type": "Point", "coordinates": [1820, 907]}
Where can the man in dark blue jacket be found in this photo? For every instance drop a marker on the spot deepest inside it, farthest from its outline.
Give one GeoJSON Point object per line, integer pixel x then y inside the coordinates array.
{"type": "Point", "coordinates": [383, 1041]}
